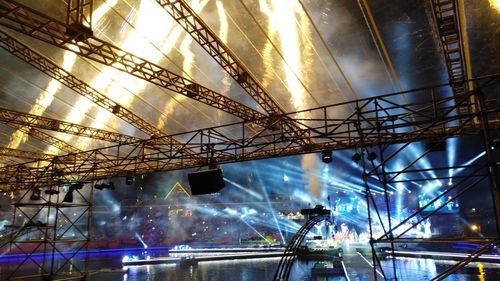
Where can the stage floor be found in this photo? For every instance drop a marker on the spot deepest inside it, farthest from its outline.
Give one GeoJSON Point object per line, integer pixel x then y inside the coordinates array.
{"type": "Point", "coordinates": [357, 267]}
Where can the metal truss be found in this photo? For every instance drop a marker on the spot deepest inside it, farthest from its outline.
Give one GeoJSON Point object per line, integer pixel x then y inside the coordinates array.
{"type": "Point", "coordinates": [46, 138]}
{"type": "Point", "coordinates": [23, 154]}
{"type": "Point", "coordinates": [54, 226]}
{"type": "Point", "coordinates": [385, 119]}
{"type": "Point", "coordinates": [376, 172]}
{"type": "Point", "coordinates": [42, 63]}
{"type": "Point", "coordinates": [194, 25]}
{"type": "Point", "coordinates": [33, 121]}
{"type": "Point", "coordinates": [446, 15]}
{"type": "Point", "coordinates": [56, 72]}
{"type": "Point", "coordinates": [290, 255]}
{"type": "Point", "coordinates": [208, 40]}
{"type": "Point", "coordinates": [23, 19]}
{"type": "Point", "coordinates": [79, 13]}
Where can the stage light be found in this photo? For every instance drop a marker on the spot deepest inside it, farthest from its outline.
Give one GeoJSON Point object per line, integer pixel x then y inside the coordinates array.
{"type": "Point", "coordinates": [51, 191]}
{"type": "Point", "coordinates": [129, 180]}
{"type": "Point", "coordinates": [371, 156]}
{"type": "Point", "coordinates": [75, 186]}
{"type": "Point", "coordinates": [326, 156]}
{"type": "Point", "coordinates": [35, 195]}
{"type": "Point", "coordinates": [102, 186]}
{"type": "Point", "coordinates": [474, 227]}
{"type": "Point", "coordinates": [356, 158]}
{"type": "Point", "coordinates": [68, 198]}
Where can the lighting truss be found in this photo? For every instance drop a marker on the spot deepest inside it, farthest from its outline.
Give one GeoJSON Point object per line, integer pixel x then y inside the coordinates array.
{"type": "Point", "coordinates": [447, 18]}
{"type": "Point", "coordinates": [46, 138]}
{"type": "Point", "coordinates": [9, 117]}
{"type": "Point", "coordinates": [470, 178]}
{"type": "Point", "coordinates": [57, 230]}
{"type": "Point", "coordinates": [377, 120]}
{"type": "Point", "coordinates": [23, 154]}
{"type": "Point", "coordinates": [42, 63]}
{"type": "Point", "coordinates": [194, 25]}
{"type": "Point", "coordinates": [56, 72]}
{"type": "Point", "coordinates": [28, 21]}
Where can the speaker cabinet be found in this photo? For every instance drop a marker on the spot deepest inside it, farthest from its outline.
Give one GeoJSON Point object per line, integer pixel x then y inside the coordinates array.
{"type": "Point", "coordinates": [206, 182]}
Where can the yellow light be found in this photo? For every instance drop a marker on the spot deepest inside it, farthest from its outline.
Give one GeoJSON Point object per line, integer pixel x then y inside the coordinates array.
{"type": "Point", "coordinates": [495, 4]}
{"type": "Point", "coordinates": [480, 268]}
{"type": "Point", "coordinates": [82, 105]}
{"type": "Point", "coordinates": [282, 24]}
{"type": "Point", "coordinates": [187, 64]}
{"type": "Point", "coordinates": [223, 33]}
{"type": "Point", "coordinates": [474, 227]}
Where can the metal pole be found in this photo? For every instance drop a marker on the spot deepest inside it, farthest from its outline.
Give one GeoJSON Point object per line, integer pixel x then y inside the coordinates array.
{"type": "Point", "coordinates": [494, 177]}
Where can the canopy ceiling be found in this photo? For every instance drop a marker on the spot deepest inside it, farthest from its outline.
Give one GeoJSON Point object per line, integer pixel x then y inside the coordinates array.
{"type": "Point", "coordinates": [306, 54]}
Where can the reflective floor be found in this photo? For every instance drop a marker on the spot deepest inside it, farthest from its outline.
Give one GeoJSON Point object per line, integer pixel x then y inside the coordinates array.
{"type": "Point", "coordinates": [263, 269]}
{"type": "Point", "coordinates": [357, 267]}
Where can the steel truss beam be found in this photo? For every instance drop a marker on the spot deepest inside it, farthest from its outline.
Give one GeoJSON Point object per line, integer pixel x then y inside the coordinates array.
{"type": "Point", "coordinates": [50, 225]}
{"type": "Point", "coordinates": [23, 19]}
{"type": "Point", "coordinates": [56, 72]}
{"type": "Point", "coordinates": [46, 138]}
{"type": "Point", "coordinates": [23, 154]}
{"type": "Point", "coordinates": [25, 119]}
{"type": "Point", "coordinates": [79, 13]}
{"type": "Point", "coordinates": [42, 63]}
{"type": "Point", "coordinates": [469, 177]}
{"type": "Point", "coordinates": [378, 120]}
{"type": "Point", "coordinates": [447, 17]}
{"type": "Point", "coordinates": [194, 25]}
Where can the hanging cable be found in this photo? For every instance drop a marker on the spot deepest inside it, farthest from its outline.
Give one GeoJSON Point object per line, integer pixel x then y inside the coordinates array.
{"type": "Point", "coordinates": [379, 43]}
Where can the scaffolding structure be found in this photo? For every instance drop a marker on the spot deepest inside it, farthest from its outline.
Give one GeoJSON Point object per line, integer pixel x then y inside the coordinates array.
{"type": "Point", "coordinates": [380, 128]}
{"type": "Point", "coordinates": [51, 228]}
{"type": "Point", "coordinates": [376, 126]}
{"type": "Point", "coordinates": [382, 166]}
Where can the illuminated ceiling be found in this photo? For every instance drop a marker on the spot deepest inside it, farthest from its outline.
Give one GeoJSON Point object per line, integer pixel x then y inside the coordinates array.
{"type": "Point", "coordinates": [306, 54]}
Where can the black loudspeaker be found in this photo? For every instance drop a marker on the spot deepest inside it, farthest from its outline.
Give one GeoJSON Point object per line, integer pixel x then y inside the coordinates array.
{"type": "Point", "coordinates": [206, 182]}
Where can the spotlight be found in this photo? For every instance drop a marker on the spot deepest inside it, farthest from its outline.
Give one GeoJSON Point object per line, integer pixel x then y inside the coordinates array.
{"type": "Point", "coordinates": [326, 156]}
{"type": "Point", "coordinates": [68, 198]}
{"type": "Point", "coordinates": [371, 156]}
{"type": "Point", "coordinates": [495, 143]}
{"type": "Point", "coordinates": [102, 186]}
{"type": "Point", "coordinates": [51, 191]}
{"type": "Point", "coordinates": [356, 158]}
{"type": "Point", "coordinates": [129, 180]}
{"type": "Point", "coordinates": [35, 195]}
{"type": "Point", "coordinates": [77, 185]}
{"type": "Point", "coordinates": [69, 195]}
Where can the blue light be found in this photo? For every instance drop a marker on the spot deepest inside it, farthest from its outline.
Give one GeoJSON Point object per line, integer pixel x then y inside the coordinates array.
{"type": "Point", "coordinates": [285, 178]}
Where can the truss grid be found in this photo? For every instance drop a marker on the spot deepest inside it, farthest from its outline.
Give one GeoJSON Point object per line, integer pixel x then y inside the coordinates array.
{"type": "Point", "coordinates": [42, 27]}
{"type": "Point", "coordinates": [381, 123]}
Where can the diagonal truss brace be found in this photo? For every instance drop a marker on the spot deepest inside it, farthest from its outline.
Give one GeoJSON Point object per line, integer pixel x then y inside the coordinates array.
{"type": "Point", "coordinates": [46, 138]}
{"type": "Point", "coordinates": [37, 25]}
{"type": "Point", "coordinates": [436, 118]}
{"type": "Point", "coordinates": [25, 119]}
{"type": "Point", "coordinates": [23, 154]}
{"type": "Point", "coordinates": [42, 63]}
{"type": "Point", "coordinates": [194, 25]}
